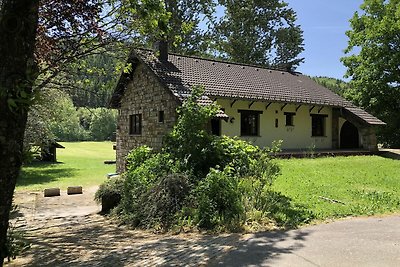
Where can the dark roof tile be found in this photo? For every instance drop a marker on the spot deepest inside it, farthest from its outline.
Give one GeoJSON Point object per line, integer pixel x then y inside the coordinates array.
{"type": "Point", "coordinates": [231, 80]}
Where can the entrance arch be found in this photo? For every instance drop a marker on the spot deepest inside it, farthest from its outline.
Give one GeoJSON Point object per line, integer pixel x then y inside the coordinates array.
{"type": "Point", "coordinates": [349, 137]}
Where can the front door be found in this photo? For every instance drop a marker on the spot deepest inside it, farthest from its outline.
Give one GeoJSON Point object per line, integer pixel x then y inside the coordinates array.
{"type": "Point", "coordinates": [349, 136]}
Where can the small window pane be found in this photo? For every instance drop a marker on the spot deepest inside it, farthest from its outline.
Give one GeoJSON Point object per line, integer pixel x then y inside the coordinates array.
{"type": "Point", "coordinates": [135, 124]}
{"type": "Point", "coordinates": [318, 125]}
{"type": "Point", "coordinates": [161, 116]}
{"type": "Point", "coordinates": [289, 118]}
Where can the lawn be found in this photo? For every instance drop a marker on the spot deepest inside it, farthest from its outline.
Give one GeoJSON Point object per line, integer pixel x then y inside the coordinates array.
{"type": "Point", "coordinates": [362, 185]}
{"type": "Point", "coordinates": [80, 163]}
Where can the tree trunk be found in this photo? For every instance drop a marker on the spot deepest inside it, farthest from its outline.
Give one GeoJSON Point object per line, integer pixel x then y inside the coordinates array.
{"type": "Point", "coordinates": [18, 26]}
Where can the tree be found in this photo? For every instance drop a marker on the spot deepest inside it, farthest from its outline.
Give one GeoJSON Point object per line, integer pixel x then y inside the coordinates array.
{"type": "Point", "coordinates": [18, 28]}
{"type": "Point", "coordinates": [373, 60]}
{"type": "Point", "coordinates": [37, 39]}
{"type": "Point", "coordinates": [337, 86]}
{"type": "Point", "coordinates": [259, 32]}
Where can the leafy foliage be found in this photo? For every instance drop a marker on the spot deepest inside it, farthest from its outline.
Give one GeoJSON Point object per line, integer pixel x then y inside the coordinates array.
{"type": "Point", "coordinates": [193, 147]}
{"type": "Point", "coordinates": [111, 187]}
{"type": "Point", "coordinates": [260, 32]}
{"type": "Point", "coordinates": [337, 86]}
{"type": "Point", "coordinates": [373, 64]}
{"type": "Point", "coordinates": [15, 243]}
{"type": "Point", "coordinates": [219, 200]}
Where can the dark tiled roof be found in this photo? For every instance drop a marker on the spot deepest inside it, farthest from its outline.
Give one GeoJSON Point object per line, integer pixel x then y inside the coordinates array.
{"type": "Point", "coordinates": [365, 116]}
{"type": "Point", "coordinates": [231, 80]}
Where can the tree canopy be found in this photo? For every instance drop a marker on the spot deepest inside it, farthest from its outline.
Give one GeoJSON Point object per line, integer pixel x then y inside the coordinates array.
{"type": "Point", "coordinates": [373, 60]}
{"type": "Point", "coordinates": [259, 32]}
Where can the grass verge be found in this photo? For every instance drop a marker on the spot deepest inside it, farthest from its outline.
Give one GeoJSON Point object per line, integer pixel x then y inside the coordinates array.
{"type": "Point", "coordinates": [80, 163]}
{"type": "Point", "coordinates": [362, 185]}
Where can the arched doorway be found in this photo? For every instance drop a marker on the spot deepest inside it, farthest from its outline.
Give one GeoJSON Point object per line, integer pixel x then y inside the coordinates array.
{"type": "Point", "coordinates": [349, 136]}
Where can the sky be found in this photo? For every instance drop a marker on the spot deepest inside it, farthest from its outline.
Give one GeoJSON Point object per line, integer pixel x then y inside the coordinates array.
{"type": "Point", "coordinates": [324, 23]}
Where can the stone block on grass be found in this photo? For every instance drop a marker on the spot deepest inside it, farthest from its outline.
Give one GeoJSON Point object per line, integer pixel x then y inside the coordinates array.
{"type": "Point", "coordinates": [74, 190]}
{"type": "Point", "coordinates": [51, 192]}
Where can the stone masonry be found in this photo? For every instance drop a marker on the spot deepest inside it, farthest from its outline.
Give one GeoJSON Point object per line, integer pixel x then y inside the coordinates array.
{"type": "Point", "coordinates": [144, 95]}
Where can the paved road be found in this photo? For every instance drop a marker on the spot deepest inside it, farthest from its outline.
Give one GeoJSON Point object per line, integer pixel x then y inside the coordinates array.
{"type": "Point", "coordinates": [64, 235]}
{"type": "Point", "coordinates": [350, 242]}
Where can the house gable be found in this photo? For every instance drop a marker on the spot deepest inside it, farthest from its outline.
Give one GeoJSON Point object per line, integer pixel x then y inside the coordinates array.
{"type": "Point", "coordinates": [144, 98]}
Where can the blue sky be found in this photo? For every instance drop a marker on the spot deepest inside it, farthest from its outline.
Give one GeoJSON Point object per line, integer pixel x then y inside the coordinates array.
{"type": "Point", "coordinates": [324, 24]}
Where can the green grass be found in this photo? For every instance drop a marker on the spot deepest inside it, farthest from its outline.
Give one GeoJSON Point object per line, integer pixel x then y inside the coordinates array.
{"type": "Point", "coordinates": [80, 163]}
{"type": "Point", "coordinates": [366, 184]}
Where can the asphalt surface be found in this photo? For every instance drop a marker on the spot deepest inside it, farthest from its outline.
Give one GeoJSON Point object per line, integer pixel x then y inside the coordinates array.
{"type": "Point", "coordinates": [350, 242]}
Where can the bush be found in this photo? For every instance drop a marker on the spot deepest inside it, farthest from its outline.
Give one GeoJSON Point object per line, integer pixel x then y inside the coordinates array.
{"type": "Point", "coordinates": [237, 153]}
{"type": "Point", "coordinates": [109, 193]}
{"type": "Point", "coordinates": [219, 201]}
{"type": "Point", "coordinates": [137, 157]}
{"type": "Point", "coordinates": [189, 142]}
{"type": "Point", "coordinates": [164, 200]}
{"type": "Point", "coordinates": [138, 182]}
{"type": "Point", "coordinates": [15, 242]}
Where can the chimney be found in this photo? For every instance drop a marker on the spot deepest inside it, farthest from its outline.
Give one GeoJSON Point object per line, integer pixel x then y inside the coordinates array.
{"type": "Point", "coordinates": [162, 48]}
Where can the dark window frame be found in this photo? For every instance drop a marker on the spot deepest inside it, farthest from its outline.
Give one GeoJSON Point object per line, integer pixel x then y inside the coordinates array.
{"type": "Point", "coordinates": [289, 118]}
{"type": "Point", "coordinates": [135, 124]}
{"type": "Point", "coordinates": [161, 116]}
{"type": "Point", "coordinates": [318, 125]}
{"type": "Point", "coordinates": [249, 122]}
{"type": "Point", "coordinates": [215, 124]}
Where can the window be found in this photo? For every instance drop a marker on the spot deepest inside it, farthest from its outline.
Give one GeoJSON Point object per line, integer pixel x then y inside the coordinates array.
{"type": "Point", "coordinates": [161, 116]}
{"type": "Point", "coordinates": [289, 118]}
{"type": "Point", "coordinates": [216, 127]}
{"type": "Point", "coordinates": [318, 125]}
{"type": "Point", "coordinates": [249, 122]}
{"type": "Point", "coordinates": [135, 124]}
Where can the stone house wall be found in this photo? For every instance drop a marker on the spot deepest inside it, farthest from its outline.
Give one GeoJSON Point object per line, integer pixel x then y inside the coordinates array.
{"type": "Point", "coordinates": [146, 96]}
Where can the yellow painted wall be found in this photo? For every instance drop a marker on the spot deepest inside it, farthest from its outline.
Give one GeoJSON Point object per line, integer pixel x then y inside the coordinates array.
{"type": "Point", "coordinates": [294, 137]}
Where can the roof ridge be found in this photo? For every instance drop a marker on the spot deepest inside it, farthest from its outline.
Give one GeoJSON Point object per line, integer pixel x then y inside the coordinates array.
{"type": "Point", "coordinates": [223, 61]}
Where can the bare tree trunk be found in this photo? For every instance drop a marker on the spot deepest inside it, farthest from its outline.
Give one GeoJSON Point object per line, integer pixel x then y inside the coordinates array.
{"type": "Point", "coordinates": [18, 26]}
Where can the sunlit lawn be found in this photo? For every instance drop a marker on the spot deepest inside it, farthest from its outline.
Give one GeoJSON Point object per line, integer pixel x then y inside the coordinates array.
{"type": "Point", "coordinates": [80, 163]}
{"type": "Point", "coordinates": [362, 185]}
{"type": "Point", "coordinates": [365, 184]}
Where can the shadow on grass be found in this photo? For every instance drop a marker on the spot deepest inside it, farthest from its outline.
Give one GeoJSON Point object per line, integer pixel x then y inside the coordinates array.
{"type": "Point", "coordinates": [390, 155]}
{"type": "Point", "coordinates": [40, 173]}
{"type": "Point", "coordinates": [285, 212]}
{"type": "Point", "coordinates": [97, 243]}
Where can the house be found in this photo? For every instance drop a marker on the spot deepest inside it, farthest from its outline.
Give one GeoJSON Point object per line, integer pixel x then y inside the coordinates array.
{"type": "Point", "coordinates": [258, 104]}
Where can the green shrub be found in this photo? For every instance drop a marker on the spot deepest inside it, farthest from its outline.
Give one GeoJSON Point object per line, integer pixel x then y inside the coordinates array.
{"type": "Point", "coordinates": [137, 157]}
{"type": "Point", "coordinates": [109, 194]}
{"type": "Point", "coordinates": [237, 153]}
{"type": "Point", "coordinates": [219, 201]}
{"type": "Point", "coordinates": [137, 184]}
{"type": "Point", "coordinates": [113, 186]}
{"type": "Point", "coordinates": [164, 200]}
{"type": "Point", "coordinates": [189, 142]}
{"type": "Point", "coordinates": [15, 242]}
